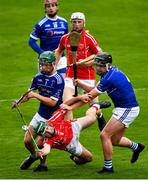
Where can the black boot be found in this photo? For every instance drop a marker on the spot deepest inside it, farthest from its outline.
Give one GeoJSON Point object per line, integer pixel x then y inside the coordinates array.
{"type": "Point", "coordinates": [137, 152]}
{"type": "Point", "coordinates": [41, 168]}
{"type": "Point", "coordinates": [27, 162]}
{"type": "Point", "coordinates": [102, 104]}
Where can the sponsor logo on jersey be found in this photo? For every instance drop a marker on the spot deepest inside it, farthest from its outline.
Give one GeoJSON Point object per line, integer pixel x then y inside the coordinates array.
{"type": "Point", "coordinates": [40, 80]}
{"type": "Point", "coordinates": [51, 33]}
{"type": "Point", "coordinates": [58, 32]}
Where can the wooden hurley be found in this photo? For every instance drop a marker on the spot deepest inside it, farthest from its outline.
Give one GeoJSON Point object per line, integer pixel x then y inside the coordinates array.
{"type": "Point", "coordinates": [74, 39]}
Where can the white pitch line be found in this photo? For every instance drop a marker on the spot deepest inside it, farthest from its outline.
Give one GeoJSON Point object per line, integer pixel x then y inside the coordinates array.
{"type": "Point", "coordinates": [6, 100]}
{"type": "Point", "coordinates": [141, 89]}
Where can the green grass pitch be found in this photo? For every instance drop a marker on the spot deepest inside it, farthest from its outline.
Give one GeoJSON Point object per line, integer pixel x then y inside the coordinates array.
{"type": "Point", "coordinates": [121, 28]}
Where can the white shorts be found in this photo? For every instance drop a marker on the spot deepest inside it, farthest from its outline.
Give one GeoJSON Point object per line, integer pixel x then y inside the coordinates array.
{"type": "Point", "coordinates": [126, 115]}
{"type": "Point", "coordinates": [36, 119]}
{"type": "Point", "coordinates": [69, 82]}
{"type": "Point", "coordinates": [74, 147]}
{"type": "Point", "coordinates": [62, 63]}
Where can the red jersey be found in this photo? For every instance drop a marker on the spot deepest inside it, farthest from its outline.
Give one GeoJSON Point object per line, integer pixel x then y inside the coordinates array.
{"type": "Point", "coordinates": [63, 128]}
{"type": "Point", "coordinates": [87, 46]}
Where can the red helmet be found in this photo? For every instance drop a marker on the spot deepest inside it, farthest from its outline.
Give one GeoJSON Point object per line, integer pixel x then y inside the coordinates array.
{"type": "Point", "coordinates": [50, 1]}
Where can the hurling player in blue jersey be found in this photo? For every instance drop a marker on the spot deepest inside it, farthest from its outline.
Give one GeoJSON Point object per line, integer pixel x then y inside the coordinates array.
{"type": "Point", "coordinates": [50, 86]}
{"type": "Point", "coordinates": [126, 109]}
{"type": "Point", "coordinates": [49, 31]}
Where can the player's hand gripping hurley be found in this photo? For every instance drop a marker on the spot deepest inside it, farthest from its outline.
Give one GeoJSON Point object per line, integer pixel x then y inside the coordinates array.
{"type": "Point", "coordinates": [20, 100]}
{"type": "Point", "coordinates": [74, 39]}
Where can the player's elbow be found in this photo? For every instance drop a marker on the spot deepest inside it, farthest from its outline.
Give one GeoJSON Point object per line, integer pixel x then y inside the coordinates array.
{"type": "Point", "coordinates": [52, 103]}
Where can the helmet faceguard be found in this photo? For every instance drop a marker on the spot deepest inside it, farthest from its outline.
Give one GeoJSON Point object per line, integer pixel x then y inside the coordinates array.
{"type": "Point", "coordinates": [40, 128]}
{"type": "Point", "coordinates": [44, 130]}
{"type": "Point", "coordinates": [46, 60]}
{"type": "Point", "coordinates": [103, 63]}
{"type": "Point", "coordinates": [77, 21]}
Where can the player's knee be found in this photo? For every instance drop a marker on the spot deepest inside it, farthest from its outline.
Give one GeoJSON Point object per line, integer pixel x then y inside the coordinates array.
{"type": "Point", "coordinates": [115, 141]}
{"type": "Point", "coordinates": [103, 135]}
{"type": "Point", "coordinates": [90, 158]}
{"type": "Point", "coordinates": [27, 140]}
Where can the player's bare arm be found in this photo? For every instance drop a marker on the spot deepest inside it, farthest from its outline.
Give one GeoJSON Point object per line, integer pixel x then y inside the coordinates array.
{"type": "Point", "coordinates": [44, 151]}
{"type": "Point", "coordinates": [86, 98]}
{"type": "Point", "coordinates": [72, 100]}
{"type": "Point", "coordinates": [45, 100]}
{"type": "Point", "coordinates": [89, 61]}
{"type": "Point", "coordinates": [83, 86]}
{"type": "Point", "coordinates": [58, 55]}
{"type": "Point", "coordinates": [72, 106]}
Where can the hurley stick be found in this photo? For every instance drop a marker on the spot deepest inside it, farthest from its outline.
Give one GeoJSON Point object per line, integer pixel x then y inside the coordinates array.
{"type": "Point", "coordinates": [24, 122]}
{"type": "Point", "coordinates": [74, 39]}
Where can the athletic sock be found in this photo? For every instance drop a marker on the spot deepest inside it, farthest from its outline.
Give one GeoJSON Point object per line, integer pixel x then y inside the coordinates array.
{"type": "Point", "coordinates": [42, 163]}
{"type": "Point", "coordinates": [108, 164]}
{"type": "Point", "coordinates": [134, 146]}
{"type": "Point", "coordinates": [101, 122]}
{"type": "Point", "coordinates": [34, 156]}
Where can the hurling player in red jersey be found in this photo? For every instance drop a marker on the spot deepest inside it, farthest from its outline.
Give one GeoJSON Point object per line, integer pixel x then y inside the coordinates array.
{"type": "Point", "coordinates": [87, 49]}
{"type": "Point", "coordinates": [64, 135]}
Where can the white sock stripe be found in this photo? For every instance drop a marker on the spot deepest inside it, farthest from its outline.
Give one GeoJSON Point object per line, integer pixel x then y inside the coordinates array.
{"type": "Point", "coordinates": [108, 167]}
{"type": "Point", "coordinates": [108, 164]}
{"type": "Point", "coordinates": [134, 146]}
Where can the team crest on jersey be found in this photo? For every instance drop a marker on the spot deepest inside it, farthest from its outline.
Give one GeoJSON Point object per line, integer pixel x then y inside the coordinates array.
{"type": "Point", "coordinates": [81, 46]}
{"type": "Point", "coordinates": [47, 25]}
{"type": "Point", "coordinates": [62, 24]}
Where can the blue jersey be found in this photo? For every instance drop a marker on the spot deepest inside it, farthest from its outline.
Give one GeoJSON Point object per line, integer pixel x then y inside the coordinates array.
{"type": "Point", "coordinates": [49, 31]}
{"type": "Point", "coordinates": [49, 86]}
{"type": "Point", "coordinates": [118, 88]}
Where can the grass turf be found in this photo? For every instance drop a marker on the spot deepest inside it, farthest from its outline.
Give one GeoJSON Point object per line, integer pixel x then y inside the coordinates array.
{"type": "Point", "coordinates": [121, 28]}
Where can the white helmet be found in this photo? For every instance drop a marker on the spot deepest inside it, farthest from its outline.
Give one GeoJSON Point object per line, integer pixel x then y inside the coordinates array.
{"type": "Point", "coordinates": [50, 2]}
{"type": "Point", "coordinates": [77, 15]}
